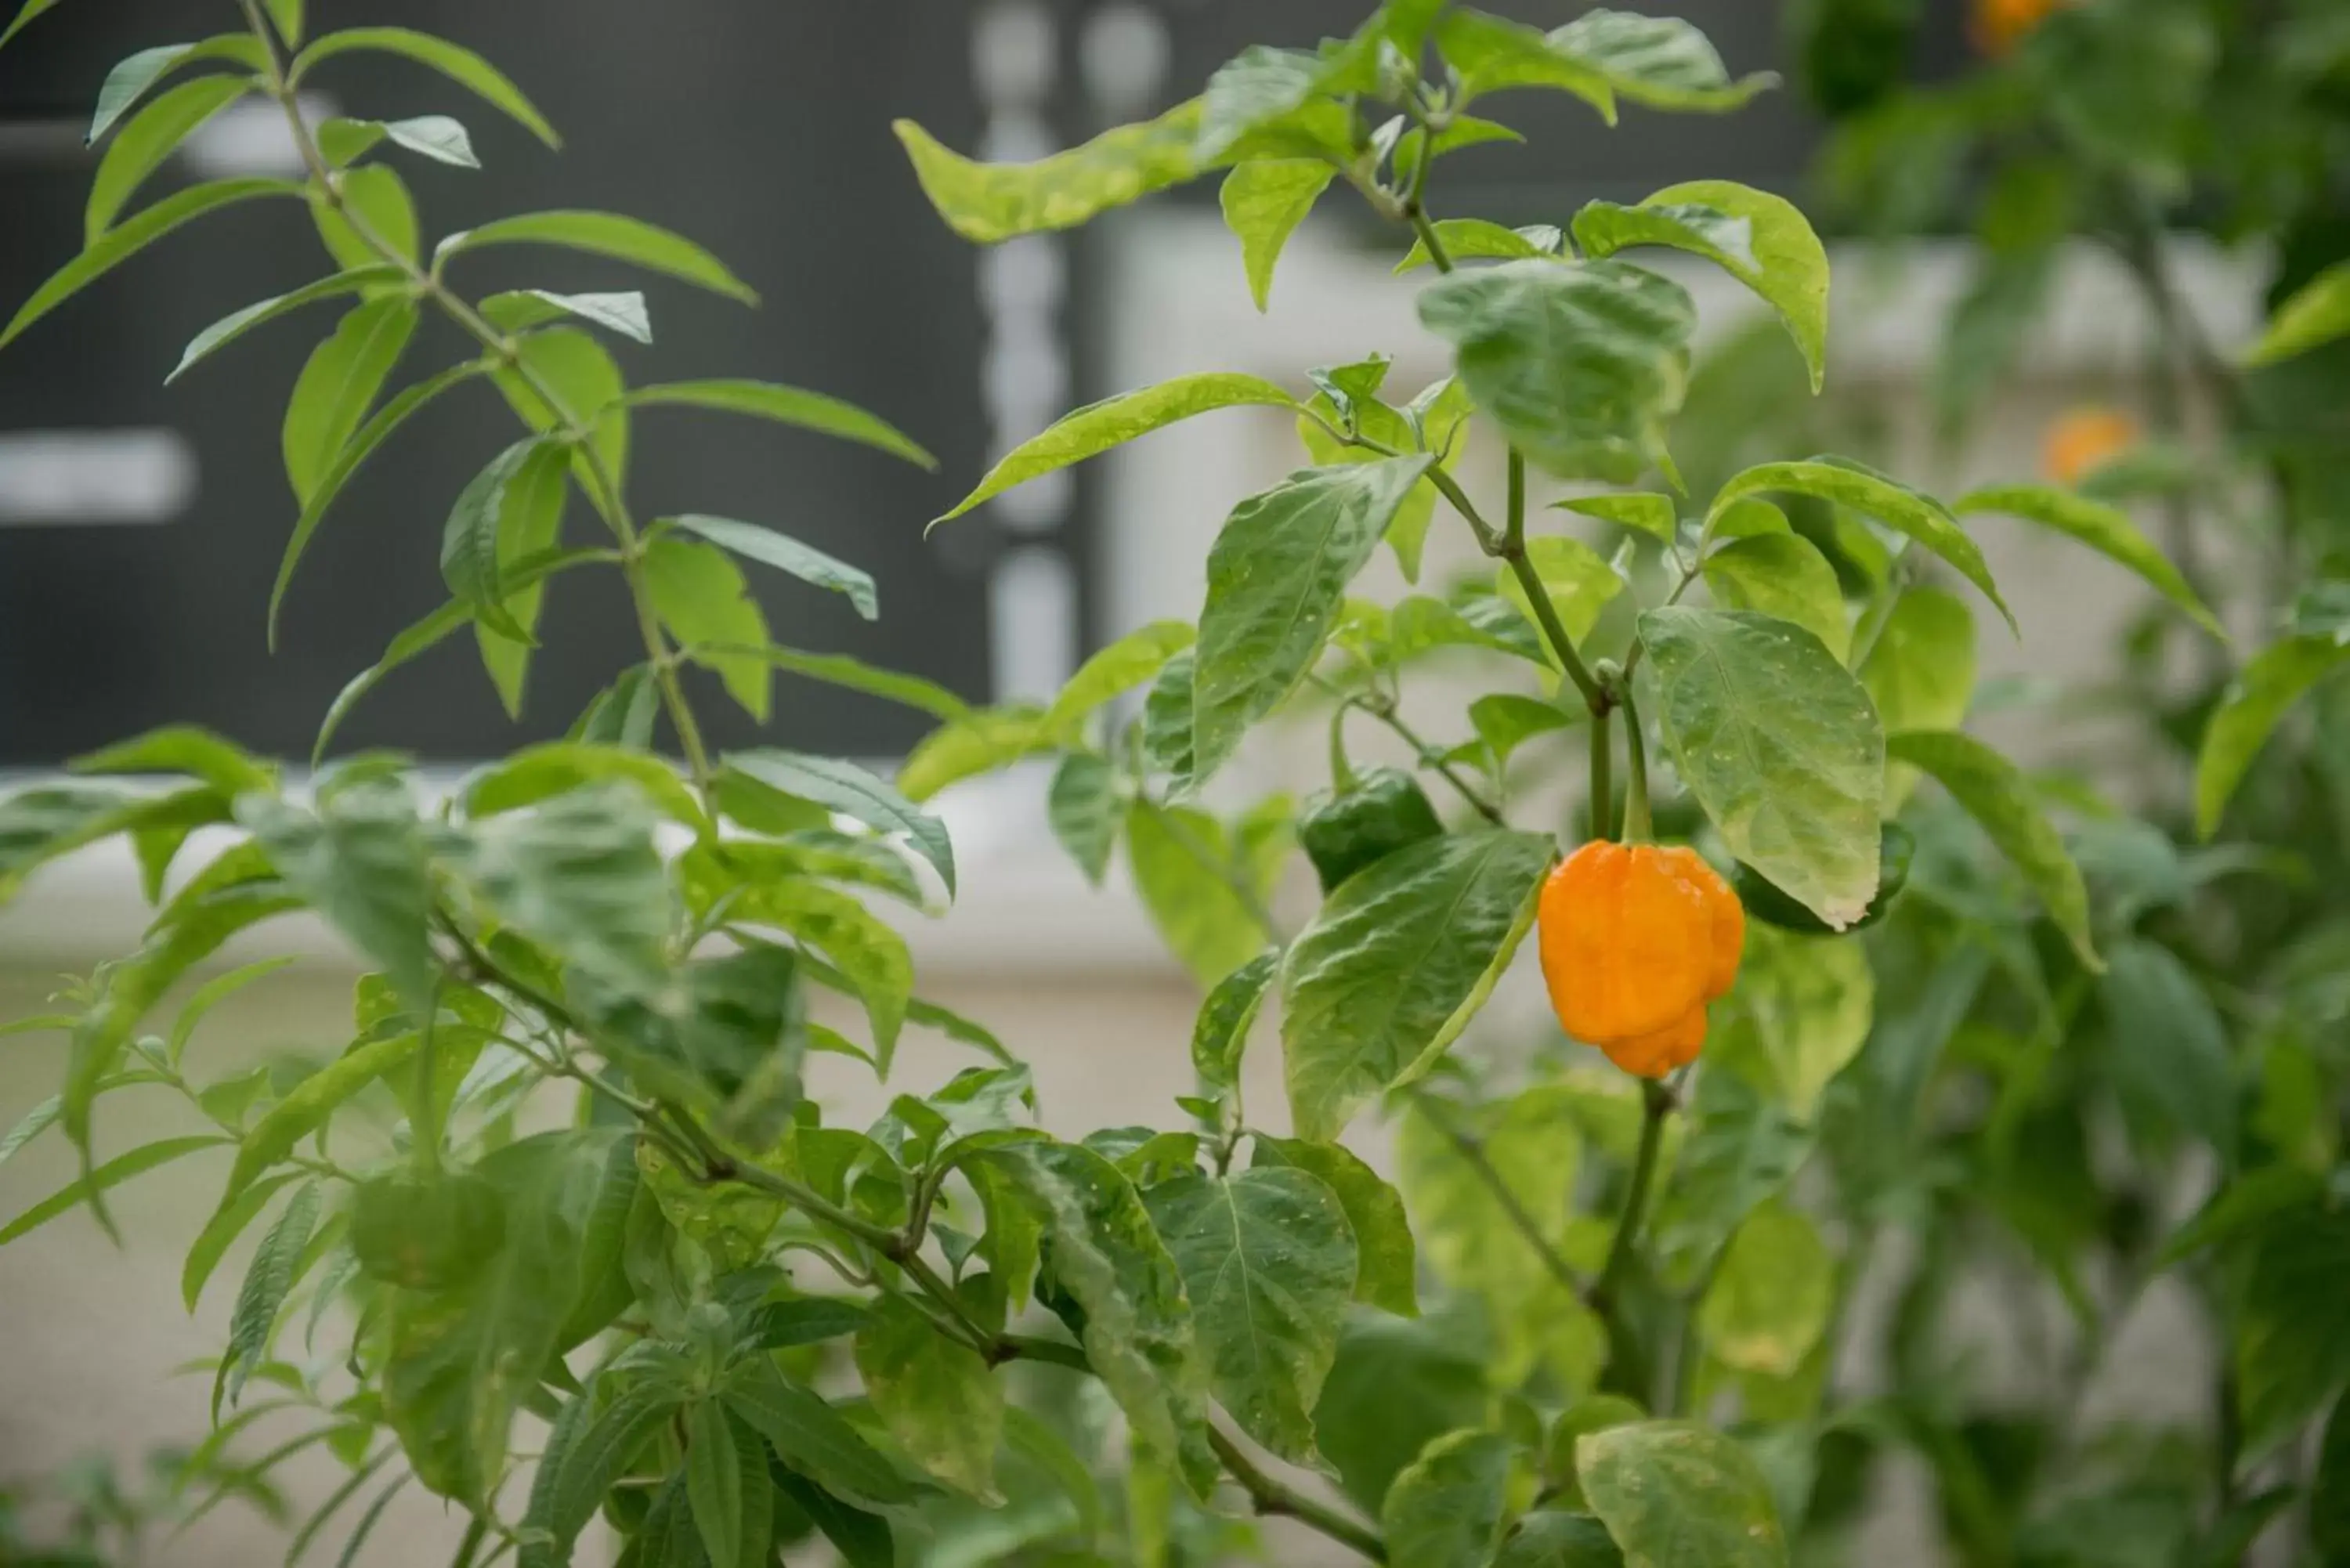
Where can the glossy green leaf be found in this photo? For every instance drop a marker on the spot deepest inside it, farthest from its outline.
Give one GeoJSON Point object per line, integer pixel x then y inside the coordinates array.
{"type": "Point", "coordinates": [1139, 1331]}
{"type": "Point", "coordinates": [1662, 62]}
{"type": "Point", "coordinates": [703, 600]}
{"type": "Point", "coordinates": [1264, 201]}
{"type": "Point", "coordinates": [539, 772]}
{"type": "Point", "coordinates": [785, 554]}
{"type": "Point", "coordinates": [588, 1449]}
{"type": "Point", "coordinates": [237, 324]}
{"type": "Point", "coordinates": [1478, 239]}
{"type": "Point", "coordinates": [1127, 663]}
{"type": "Point", "coordinates": [133, 234]}
{"type": "Point", "coordinates": [130, 78]}
{"type": "Point", "coordinates": [936, 1395]}
{"type": "Point", "coordinates": [1770, 1299]}
{"type": "Point", "coordinates": [1505, 721]}
{"type": "Point", "coordinates": [1083, 808]}
{"type": "Point", "coordinates": [1184, 863]}
{"type": "Point", "coordinates": [1268, 1263]}
{"type": "Point", "coordinates": [1921, 673]}
{"type": "Point", "coordinates": [1997, 795]}
{"type": "Point", "coordinates": [1549, 1538]}
{"type": "Point", "coordinates": [254, 1321]}
{"type": "Point", "coordinates": [976, 743]}
{"type": "Point", "coordinates": [1678, 1495]}
{"type": "Point", "coordinates": [622, 238]}
{"type": "Point", "coordinates": [529, 521]}
{"type": "Point", "coordinates": [1891, 502]}
{"type": "Point", "coordinates": [1493, 55]}
{"type": "Point", "coordinates": [1115, 420]}
{"type": "Point", "coordinates": [2104, 529]}
{"type": "Point", "coordinates": [470, 562]}
{"type": "Point", "coordinates": [865, 948]}
{"type": "Point", "coordinates": [1582, 363]}
{"type": "Point", "coordinates": [150, 137]}
{"type": "Point", "coordinates": [1762, 240]}
{"type": "Point", "coordinates": [581, 876]}
{"type": "Point", "coordinates": [433, 136]}
{"type": "Point", "coordinates": [25, 13]}
{"type": "Point", "coordinates": [459, 64]}
{"type": "Point", "coordinates": [1220, 1033]}
{"type": "Point", "coordinates": [354, 451]}
{"type": "Point", "coordinates": [623, 312]}
{"type": "Point", "coordinates": [989, 203]}
{"type": "Point", "coordinates": [1166, 722]}
{"type": "Point", "coordinates": [1654, 516]}
{"type": "Point", "coordinates": [855, 675]}
{"type": "Point", "coordinates": [1446, 1507]}
{"type": "Point", "coordinates": [374, 197]}
{"type": "Point", "coordinates": [845, 787]}
{"type": "Point", "coordinates": [1386, 1274]}
{"type": "Point", "coordinates": [811, 1438]}
{"type": "Point", "coordinates": [2316, 314]}
{"type": "Point", "coordinates": [2263, 691]}
{"type": "Point", "coordinates": [786, 405]}
{"type": "Point", "coordinates": [1275, 577]}
{"type": "Point", "coordinates": [1261, 90]}
{"type": "Point", "coordinates": [112, 1174]}
{"type": "Point", "coordinates": [567, 384]}
{"type": "Point", "coordinates": [2167, 1049]}
{"type": "Point", "coordinates": [338, 386]}
{"type": "Point", "coordinates": [1778, 743]}
{"type": "Point", "coordinates": [1398, 961]}
{"type": "Point", "coordinates": [1785, 575]}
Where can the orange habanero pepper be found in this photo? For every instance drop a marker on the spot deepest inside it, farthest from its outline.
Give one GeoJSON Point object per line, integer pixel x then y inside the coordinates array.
{"type": "Point", "coordinates": [1636, 939]}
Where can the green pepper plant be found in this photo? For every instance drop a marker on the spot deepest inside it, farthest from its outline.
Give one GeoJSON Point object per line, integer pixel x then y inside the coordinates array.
{"type": "Point", "coordinates": [1591, 1320]}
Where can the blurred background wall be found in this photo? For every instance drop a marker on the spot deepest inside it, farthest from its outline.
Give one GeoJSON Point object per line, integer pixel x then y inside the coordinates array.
{"type": "Point", "coordinates": [140, 526]}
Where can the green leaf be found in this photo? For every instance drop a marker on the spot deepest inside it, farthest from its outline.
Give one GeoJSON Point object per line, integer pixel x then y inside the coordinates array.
{"type": "Point", "coordinates": [579, 374]}
{"type": "Point", "coordinates": [211, 994]}
{"type": "Point", "coordinates": [529, 521]}
{"type": "Point", "coordinates": [153, 136]}
{"type": "Point", "coordinates": [1678, 1495]}
{"type": "Point", "coordinates": [855, 675]}
{"type": "Point", "coordinates": [936, 1395]}
{"type": "Point", "coordinates": [1654, 516]}
{"type": "Point", "coordinates": [1220, 1033]}
{"type": "Point", "coordinates": [1184, 864]}
{"type": "Point", "coordinates": [1275, 577]}
{"type": "Point", "coordinates": [989, 203]}
{"type": "Point", "coordinates": [1784, 576]}
{"type": "Point", "coordinates": [1133, 658]}
{"type": "Point", "coordinates": [263, 1295]}
{"type": "Point", "coordinates": [2166, 1048]}
{"type": "Point", "coordinates": [25, 15]}
{"type": "Point", "coordinates": [1398, 961]}
{"type": "Point", "coordinates": [2104, 529]}
{"type": "Point", "coordinates": [1445, 1509]}
{"type": "Point", "coordinates": [1548, 1538]}
{"type": "Point", "coordinates": [582, 876]}
{"type": "Point", "coordinates": [713, 1481]}
{"type": "Point", "coordinates": [2329, 1488]}
{"type": "Point", "coordinates": [1431, 422]}
{"type": "Point", "coordinates": [38, 1120]}
{"type": "Point", "coordinates": [1741, 1151]}
{"type": "Point", "coordinates": [1264, 201]}
{"type": "Point", "coordinates": [339, 384]}
{"type": "Point", "coordinates": [701, 597]}
{"type": "Point", "coordinates": [622, 238]}
{"type": "Point", "coordinates": [1662, 62]}
{"type": "Point", "coordinates": [785, 405]}
{"type": "Point", "coordinates": [1996, 794]}
{"type": "Point", "coordinates": [520, 309]}
{"type": "Point", "coordinates": [354, 451]}
{"type": "Point", "coordinates": [845, 787]}
{"type": "Point", "coordinates": [863, 1539]}
{"type": "Point", "coordinates": [1771, 1298]}
{"type": "Point", "coordinates": [458, 1363]}
{"type": "Point", "coordinates": [539, 772]}
{"type": "Point", "coordinates": [1115, 420]}
{"type": "Point", "coordinates": [1505, 721]}
{"type": "Point", "coordinates": [133, 235]}
{"type": "Point", "coordinates": [1921, 672]}
{"type": "Point", "coordinates": [1083, 808]}
{"type": "Point", "coordinates": [1891, 502]}
{"type": "Point", "coordinates": [2316, 314]}
{"type": "Point", "coordinates": [470, 560]}
{"type": "Point", "coordinates": [1478, 239]}
{"type": "Point", "coordinates": [1582, 363]}
{"type": "Point", "coordinates": [811, 1438]}
{"type": "Point", "coordinates": [1800, 1014]}
{"type": "Point", "coordinates": [110, 1175]}
{"type": "Point", "coordinates": [1108, 1259]}
{"type": "Point", "coordinates": [459, 64]}
{"type": "Point", "coordinates": [361, 862]}
{"type": "Point", "coordinates": [1779, 744]}
{"type": "Point", "coordinates": [306, 1106]}
{"type": "Point", "coordinates": [785, 554]}
{"type": "Point", "coordinates": [587, 1450]}
{"type": "Point", "coordinates": [2290, 1356]}
{"type": "Point", "coordinates": [976, 743]}
{"type": "Point", "coordinates": [868, 950]}
{"type": "Point", "coordinates": [433, 136]}
{"type": "Point", "coordinates": [1385, 1273]}
{"type": "Point", "coordinates": [237, 324]}
{"type": "Point", "coordinates": [224, 1229]}
{"type": "Point", "coordinates": [2254, 703]}
{"type": "Point", "coordinates": [1762, 240]}
{"type": "Point", "coordinates": [1577, 579]}
{"type": "Point", "coordinates": [1268, 1264]}
{"type": "Point", "coordinates": [1493, 55]}
{"type": "Point", "coordinates": [183, 749]}
{"type": "Point", "coordinates": [131, 76]}
{"type": "Point", "coordinates": [1167, 721]}
{"type": "Point", "coordinates": [285, 15]}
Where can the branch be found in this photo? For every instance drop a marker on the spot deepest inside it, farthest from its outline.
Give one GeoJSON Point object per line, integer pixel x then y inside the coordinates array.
{"type": "Point", "coordinates": [1472, 1151]}
{"type": "Point", "coordinates": [1656, 1104]}
{"type": "Point", "coordinates": [1274, 1496]}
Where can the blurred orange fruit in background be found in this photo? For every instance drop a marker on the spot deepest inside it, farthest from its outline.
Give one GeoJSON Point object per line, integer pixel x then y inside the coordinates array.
{"type": "Point", "coordinates": [2084, 440]}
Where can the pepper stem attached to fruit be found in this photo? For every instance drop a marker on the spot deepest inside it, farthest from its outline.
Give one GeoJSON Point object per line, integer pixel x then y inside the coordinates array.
{"type": "Point", "coordinates": [1637, 827]}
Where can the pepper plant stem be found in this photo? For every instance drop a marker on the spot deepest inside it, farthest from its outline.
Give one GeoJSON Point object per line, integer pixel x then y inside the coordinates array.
{"type": "Point", "coordinates": [1656, 1104]}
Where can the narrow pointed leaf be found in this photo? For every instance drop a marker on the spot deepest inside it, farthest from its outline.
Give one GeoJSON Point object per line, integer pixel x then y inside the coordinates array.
{"type": "Point", "coordinates": [2256, 703]}
{"type": "Point", "coordinates": [990, 202]}
{"type": "Point", "coordinates": [843, 786]}
{"type": "Point", "coordinates": [237, 324]}
{"type": "Point", "coordinates": [459, 64]}
{"type": "Point", "coordinates": [2104, 529]}
{"type": "Point", "coordinates": [339, 385]}
{"type": "Point", "coordinates": [1264, 201]}
{"type": "Point", "coordinates": [153, 136]}
{"type": "Point", "coordinates": [112, 1174]}
{"type": "Point", "coordinates": [612, 235]}
{"type": "Point", "coordinates": [785, 554]}
{"type": "Point", "coordinates": [786, 405]}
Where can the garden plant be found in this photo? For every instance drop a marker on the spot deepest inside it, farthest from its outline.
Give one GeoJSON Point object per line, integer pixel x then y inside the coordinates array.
{"type": "Point", "coordinates": [561, 1237]}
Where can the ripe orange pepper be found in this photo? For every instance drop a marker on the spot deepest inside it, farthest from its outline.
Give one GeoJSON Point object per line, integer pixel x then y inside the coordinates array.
{"type": "Point", "coordinates": [1998, 26]}
{"type": "Point", "coordinates": [1636, 939]}
{"type": "Point", "coordinates": [2084, 439]}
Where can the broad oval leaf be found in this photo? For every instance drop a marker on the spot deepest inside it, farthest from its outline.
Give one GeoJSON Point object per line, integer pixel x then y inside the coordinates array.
{"type": "Point", "coordinates": [613, 234]}
{"type": "Point", "coordinates": [1888, 501]}
{"type": "Point", "coordinates": [1083, 808]}
{"type": "Point", "coordinates": [1479, 239]}
{"type": "Point", "coordinates": [2104, 529]}
{"type": "Point", "coordinates": [1921, 671]}
{"type": "Point", "coordinates": [1995, 793]}
{"type": "Point", "coordinates": [979, 741]}
{"type": "Point", "coordinates": [1268, 1262]}
{"type": "Point", "coordinates": [1576, 578]}
{"type": "Point", "coordinates": [1446, 1507]}
{"type": "Point", "coordinates": [937, 1395]}
{"type": "Point", "coordinates": [843, 786]}
{"type": "Point", "coordinates": [785, 405]}
{"type": "Point", "coordinates": [989, 203]}
{"type": "Point", "coordinates": [785, 554]}
{"type": "Point", "coordinates": [1398, 961]}
{"type": "Point", "coordinates": [1662, 62]}
{"type": "Point", "coordinates": [1493, 55]}
{"type": "Point", "coordinates": [1675, 1494]}
{"type": "Point", "coordinates": [1762, 240]}
{"type": "Point", "coordinates": [1275, 577]}
{"type": "Point", "coordinates": [1185, 866]}
{"type": "Point", "coordinates": [1780, 745]}
{"type": "Point", "coordinates": [1770, 1299]}
{"type": "Point", "coordinates": [153, 136]}
{"type": "Point", "coordinates": [1582, 363]}
{"type": "Point", "coordinates": [1385, 1259]}
{"type": "Point", "coordinates": [459, 64]}
{"type": "Point", "coordinates": [1801, 1013]}
{"type": "Point", "coordinates": [1264, 201]}
{"type": "Point", "coordinates": [1098, 427]}
{"type": "Point", "coordinates": [1133, 658]}
{"type": "Point", "coordinates": [2255, 702]}
{"type": "Point", "coordinates": [360, 861]}
{"type": "Point", "coordinates": [1782, 574]}
{"type": "Point", "coordinates": [1654, 516]}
